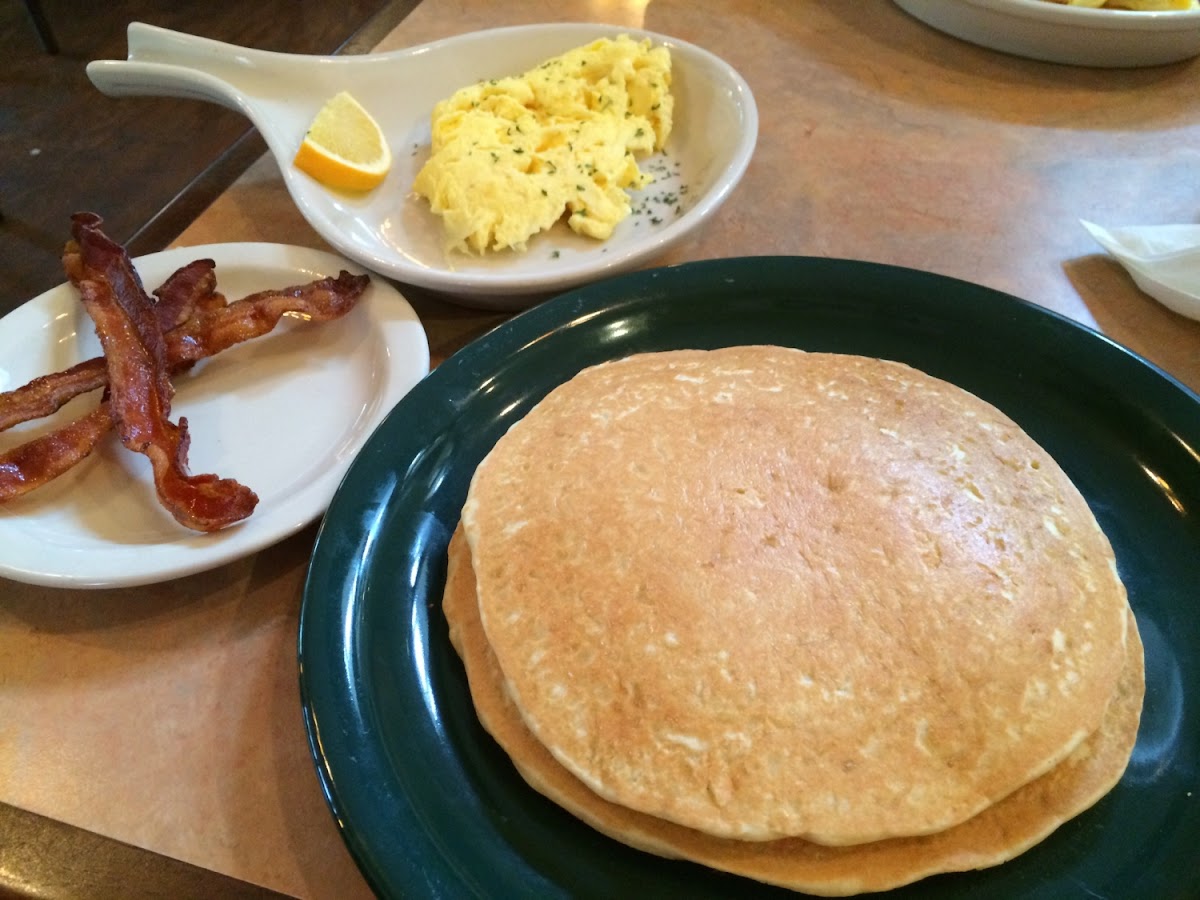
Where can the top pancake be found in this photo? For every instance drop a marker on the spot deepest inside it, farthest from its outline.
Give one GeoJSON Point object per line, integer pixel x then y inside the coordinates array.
{"type": "Point", "coordinates": [764, 593]}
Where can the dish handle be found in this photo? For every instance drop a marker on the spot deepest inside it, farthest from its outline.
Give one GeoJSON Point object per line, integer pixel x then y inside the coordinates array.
{"type": "Point", "coordinates": [116, 78]}
{"type": "Point", "coordinates": [169, 63]}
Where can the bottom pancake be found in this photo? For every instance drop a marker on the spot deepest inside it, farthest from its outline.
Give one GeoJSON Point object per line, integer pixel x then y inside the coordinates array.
{"type": "Point", "coordinates": [995, 835]}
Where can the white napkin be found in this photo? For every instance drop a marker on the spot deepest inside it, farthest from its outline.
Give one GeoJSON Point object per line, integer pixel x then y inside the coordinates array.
{"type": "Point", "coordinates": [1164, 261]}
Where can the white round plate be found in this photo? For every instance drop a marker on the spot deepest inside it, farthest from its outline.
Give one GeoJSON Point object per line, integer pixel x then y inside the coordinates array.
{"type": "Point", "coordinates": [392, 231]}
{"type": "Point", "coordinates": [284, 414]}
{"type": "Point", "coordinates": [1074, 35]}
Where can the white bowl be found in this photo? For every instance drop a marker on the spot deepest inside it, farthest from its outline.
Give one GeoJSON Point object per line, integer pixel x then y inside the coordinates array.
{"type": "Point", "coordinates": [1075, 35]}
{"type": "Point", "coordinates": [391, 231]}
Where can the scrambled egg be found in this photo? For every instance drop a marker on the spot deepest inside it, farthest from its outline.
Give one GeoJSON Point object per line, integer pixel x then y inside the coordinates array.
{"type": "Point", "coordinates": [512, 156]}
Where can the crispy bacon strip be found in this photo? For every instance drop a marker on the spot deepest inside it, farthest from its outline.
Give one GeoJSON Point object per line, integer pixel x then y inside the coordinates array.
{"type": "Point", "coordinates": [139, 385]}
{"type": "Point", "coordinates": [44, 458]}
{"type": "Point", "coordinates": [46, 394]}
{"type": "Point", "coordinates": [211, 331]}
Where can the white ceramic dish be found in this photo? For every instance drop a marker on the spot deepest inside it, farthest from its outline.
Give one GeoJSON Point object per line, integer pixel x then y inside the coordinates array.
{"type": "Point", "coordinates": [393, 232]}
{"type": "Point", "coordinates": [284, 414]}
{"type": "Point", "coordinates": [1074, 35]}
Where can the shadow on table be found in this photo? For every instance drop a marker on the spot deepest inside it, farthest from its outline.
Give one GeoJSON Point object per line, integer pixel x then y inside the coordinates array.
{"type": "Point", "coordinates": [1131, 317]}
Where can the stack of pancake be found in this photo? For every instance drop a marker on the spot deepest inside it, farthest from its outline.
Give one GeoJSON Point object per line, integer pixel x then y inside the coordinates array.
{"type": "Point", "coordinates": [820, 620]}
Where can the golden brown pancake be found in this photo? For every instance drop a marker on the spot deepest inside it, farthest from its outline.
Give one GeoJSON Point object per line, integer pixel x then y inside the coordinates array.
{"type": "Point", "coordinates": [995, 835]}
{"type": "Point", "coordinates": [764, 593]}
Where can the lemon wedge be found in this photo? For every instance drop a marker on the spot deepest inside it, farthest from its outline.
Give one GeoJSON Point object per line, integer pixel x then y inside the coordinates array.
{"type": "Point", "coordinates": [344, 147]}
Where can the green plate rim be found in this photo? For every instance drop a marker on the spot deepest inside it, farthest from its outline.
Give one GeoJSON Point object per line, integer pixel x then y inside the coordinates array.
{"type": "Point", "coordinates": [422, 797]}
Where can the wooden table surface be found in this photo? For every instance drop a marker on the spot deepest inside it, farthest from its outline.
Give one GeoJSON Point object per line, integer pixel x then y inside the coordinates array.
{"type": "Point", "coordinates": [169, 717]}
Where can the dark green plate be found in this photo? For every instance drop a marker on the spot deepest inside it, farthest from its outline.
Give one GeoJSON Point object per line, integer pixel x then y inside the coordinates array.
{"type": "Point", "coordinates": [430, 806]}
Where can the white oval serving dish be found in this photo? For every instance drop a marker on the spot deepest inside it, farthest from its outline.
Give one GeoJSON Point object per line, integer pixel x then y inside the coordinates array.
{"type": "Point", "coordinates": [391, 231]}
